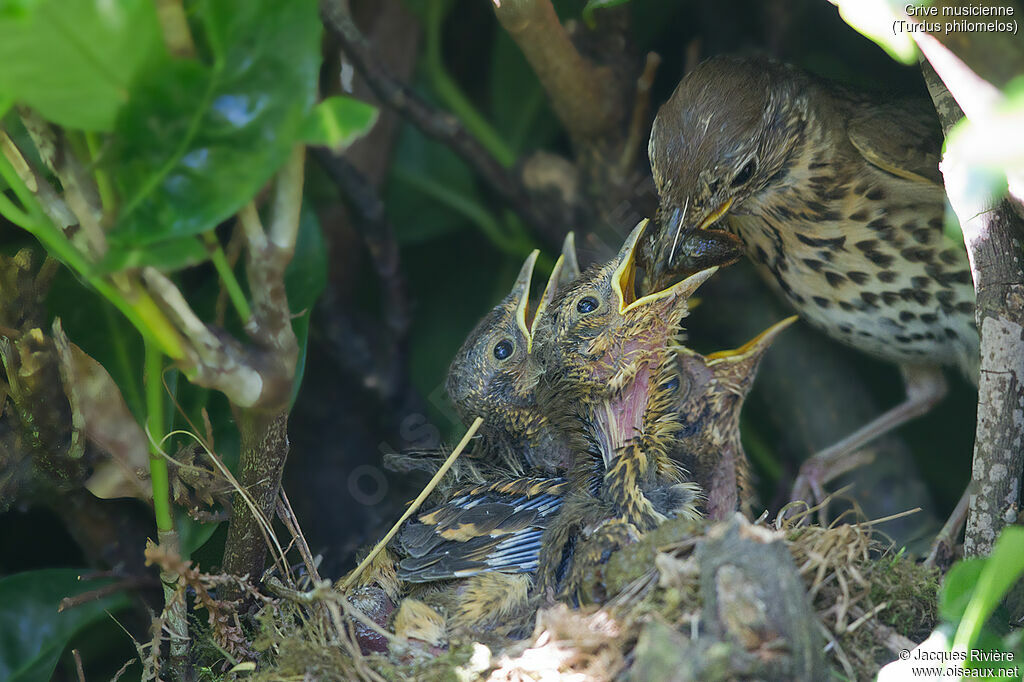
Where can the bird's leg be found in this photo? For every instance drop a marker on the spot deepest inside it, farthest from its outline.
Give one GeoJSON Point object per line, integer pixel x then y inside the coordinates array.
{"type": "Point", "coordinates": [925, 386]}
{"type": "Point", "coordinates": [941, 553]}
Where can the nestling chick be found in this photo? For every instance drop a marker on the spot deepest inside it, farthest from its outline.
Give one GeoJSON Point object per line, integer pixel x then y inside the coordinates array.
{"type": "Point", "coordinates": [494, 375]}
{"type": "Point", "coordinates": [712, 389]}
{"type": "Point", "coordinates": [609, 378]}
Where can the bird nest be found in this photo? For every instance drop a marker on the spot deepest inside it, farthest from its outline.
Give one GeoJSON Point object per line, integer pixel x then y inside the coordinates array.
{"type": "Point", "coordinates": [689, 600]}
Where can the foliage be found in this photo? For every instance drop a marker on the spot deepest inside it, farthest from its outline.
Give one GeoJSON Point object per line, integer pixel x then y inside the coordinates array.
{"type": "Point", "coordinates": [33, 632]}
{"type": "Point", "coordinates": [171, 146]}
{"type": "Point", "coordinates": [176, 145]}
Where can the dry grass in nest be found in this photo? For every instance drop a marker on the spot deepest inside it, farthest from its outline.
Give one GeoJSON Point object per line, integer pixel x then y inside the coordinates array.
{"type": "Point", "coordinates": [869, 601]}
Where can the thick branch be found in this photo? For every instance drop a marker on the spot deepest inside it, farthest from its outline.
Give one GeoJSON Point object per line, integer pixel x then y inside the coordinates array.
{"type": "Point", "coordinates": [264, 427]}
{"type": "Point", "coordinates": [439, 125]}
{"type": "Point", "coordinates": [584, 95]}
{"type": "Point", "coordinates": [991, 231]}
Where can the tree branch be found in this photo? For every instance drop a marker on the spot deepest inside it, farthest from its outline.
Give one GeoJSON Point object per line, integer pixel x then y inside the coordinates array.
{"type": "Point", "coordinates": [263, 427]}
{"type": "Point", "coordinates": [585, 96]}
{"type": "Point", "coordinates": [991, 231]}
{"type": "Point", "coordinates": [544, 217]}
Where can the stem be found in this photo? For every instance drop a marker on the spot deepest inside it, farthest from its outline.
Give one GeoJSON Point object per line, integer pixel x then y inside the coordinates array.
{"type": "Point", "coordinates": [155, 424]}
{"type": "Point", "coordinates": [142, 311]}
{"type": "Point", "coordinates": [453, 97]}
{"type": "Point", "coordinates": [227, 276]}
{"type": "Point", "coordinates": [105, 186]}
{"type": "Point", "coordinates": [174, 603]}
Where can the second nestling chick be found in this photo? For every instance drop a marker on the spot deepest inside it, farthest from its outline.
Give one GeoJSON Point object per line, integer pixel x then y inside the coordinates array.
{"type": "Point", "coordinates": [712, 389]}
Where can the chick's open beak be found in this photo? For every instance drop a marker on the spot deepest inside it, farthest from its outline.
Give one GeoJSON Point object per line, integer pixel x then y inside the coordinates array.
{"type": "Point", "coordinates": [667, 299]}
{"type": "Point", "coordinates": [521, 297]}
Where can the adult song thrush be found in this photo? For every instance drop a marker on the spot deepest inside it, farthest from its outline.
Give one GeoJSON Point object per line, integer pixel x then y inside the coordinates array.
{"type": "Point", "coordinates": [838, 199]}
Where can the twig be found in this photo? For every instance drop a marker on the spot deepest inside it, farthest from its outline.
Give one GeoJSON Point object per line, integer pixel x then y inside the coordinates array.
{"type": "Point", "coordinates": [287, 516]}
{"type": "Point", "coordinates": [636, 138]}
{"type": "Point", "coordinates": [80, 191]}
{"type": "Point", "coordinates": [440, 125]}
{"type": "Point", "coordinates": [263, 427]}
{"type": "Point", "coordinates": [173, 22]}
{"type": "Point", "coordinates": [78, 665]}
{"type": "Point", "coordinates": [129, 583]}
{"type": "Point", "coordinates": [945, 541]}
{"type": "Point", "coordinates": [429, 488]}
{"type": "Point", "coordinates": [55, 208]}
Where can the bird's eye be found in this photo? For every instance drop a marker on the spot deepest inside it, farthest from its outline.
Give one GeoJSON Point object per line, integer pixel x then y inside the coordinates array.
{"type": "Point", "coordinates": [503, 349]}
{"type": "Point", "coordinates": [743, 177]}
{"type": "Point", "coordinates": [587, 304]}
{"type": "Point", "coordinates": [672, 385]}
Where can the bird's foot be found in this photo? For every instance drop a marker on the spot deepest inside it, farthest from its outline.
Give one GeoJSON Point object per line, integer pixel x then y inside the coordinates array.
{"type": "Point", "coordinates": [821, 469]}
{"type": "Point", "coordinates": [925, 386]}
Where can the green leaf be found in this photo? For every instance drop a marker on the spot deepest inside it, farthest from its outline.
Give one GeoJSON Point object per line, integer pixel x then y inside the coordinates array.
{"type": "Point", "coordinates": [74, 61]}
{"type": "Point", "coordinates": [193, 534]}
{"type": "Point", "coordinates": [200, 137]}
{"type": "Point", "coordinates": [594, 5]}
{"type": "Point", "coordinates": [1002, 569]}
{"type": "Point", "coordinates": [420, 166]}
{"type": "Point", "coordinates": [337, 122]}
{"type": "Point", "coordinates": [957, 587]}
{"type": "Point", "coordinates": [96, 326]}
{"type": "Point", "coordinates": [32, 632]}
{"type": "Point", "coordinates": [878, 21]}
{"type": "Point", "coordinates": [304, 280]}
{"type": "Point", "coordinates": [169, 255]}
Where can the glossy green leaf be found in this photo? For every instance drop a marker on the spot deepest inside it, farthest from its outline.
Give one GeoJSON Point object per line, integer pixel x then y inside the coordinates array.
{"type": "Point", "coordinates": [337, 122]}
{"type": "Point", "coordinates": [201, 137]}
{"type": "Point", "coordinates": [32, 632]}
{"type": "Point", "coordinates": [74, 61]}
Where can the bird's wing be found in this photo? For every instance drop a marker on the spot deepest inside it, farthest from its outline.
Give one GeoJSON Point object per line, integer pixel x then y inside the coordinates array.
{"type": "Point", "coordinates": [902, 138]}
{"type": "Point", "coordinates": [495, 527]}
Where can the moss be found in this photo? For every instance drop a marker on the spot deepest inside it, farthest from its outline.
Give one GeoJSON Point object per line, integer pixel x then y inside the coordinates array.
{"type": "Point", "coordinates": [911, 590]}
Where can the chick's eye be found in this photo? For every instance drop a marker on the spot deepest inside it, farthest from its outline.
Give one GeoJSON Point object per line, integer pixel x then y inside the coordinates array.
{"type": "Point", "coordinates": [587, 304]}
{"type": "Point", "coordinates": [743, 177]}
{"type": "Point", "coordinates": [503, 349]}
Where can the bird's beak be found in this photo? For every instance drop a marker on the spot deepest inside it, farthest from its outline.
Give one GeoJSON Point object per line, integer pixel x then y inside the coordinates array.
{"type": "Point", "coordinates": [521, 296]}
{"type": "Point", "coordinates": [715, 215]}
{"type": "Point", "coordinates": [752, 351]}
{"type": "Point", "coordinates": [624, 280]}
{"type": "Point", "coordinates": [566, 269]}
